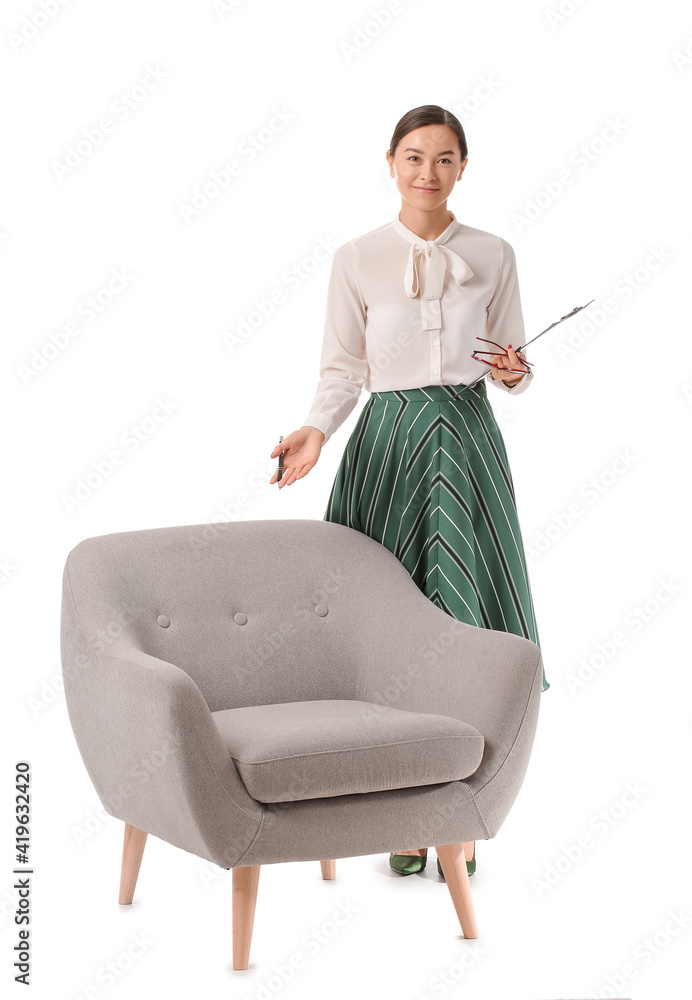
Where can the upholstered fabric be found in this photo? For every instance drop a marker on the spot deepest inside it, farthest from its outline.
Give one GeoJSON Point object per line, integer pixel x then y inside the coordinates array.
{"type": "Point", "coordinates": [314, 749]}
{"type": "Point", "coordinates": [163, 627]}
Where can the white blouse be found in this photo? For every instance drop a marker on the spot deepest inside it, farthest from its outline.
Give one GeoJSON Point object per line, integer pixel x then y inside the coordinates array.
{"type": "Point", "coordinates": [403, 312]}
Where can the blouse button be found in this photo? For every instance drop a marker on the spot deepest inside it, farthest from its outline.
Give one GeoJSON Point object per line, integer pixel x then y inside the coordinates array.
{"type": "Point", "coordinates": [436, 372]}
{"type": "Point", "coordinates": [435, 343]}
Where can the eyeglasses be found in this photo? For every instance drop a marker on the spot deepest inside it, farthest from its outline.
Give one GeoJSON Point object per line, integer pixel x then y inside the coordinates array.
{"type": "Point", "coordinates": [502, 351]}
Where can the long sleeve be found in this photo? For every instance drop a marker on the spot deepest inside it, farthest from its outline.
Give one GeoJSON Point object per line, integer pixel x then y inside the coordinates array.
{"type": "Point", "coordinates": [343, 365]}
{"type": "Point", "coordinates": [505, 323]}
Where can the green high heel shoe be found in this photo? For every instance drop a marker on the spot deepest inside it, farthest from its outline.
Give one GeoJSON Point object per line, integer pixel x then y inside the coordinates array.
{"type": "Point", "coordinates": [470, 865]}
{"type": "Point", "coordinates": [408, 864]}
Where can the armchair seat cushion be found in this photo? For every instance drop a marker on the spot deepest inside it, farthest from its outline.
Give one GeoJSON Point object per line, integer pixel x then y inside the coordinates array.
{"type": "Point", "coordinates": [314, 749]}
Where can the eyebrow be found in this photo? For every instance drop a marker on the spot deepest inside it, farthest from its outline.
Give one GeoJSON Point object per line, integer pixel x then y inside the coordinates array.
{"type": "Point", "coordinates": [443, 153]}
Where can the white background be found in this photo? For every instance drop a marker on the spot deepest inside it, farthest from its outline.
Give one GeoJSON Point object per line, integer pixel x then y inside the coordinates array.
{"type": "Point", "coordinates": [607, 538]}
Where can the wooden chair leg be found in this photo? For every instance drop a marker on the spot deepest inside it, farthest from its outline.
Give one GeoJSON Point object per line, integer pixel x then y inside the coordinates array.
{"type": "Point", "coordinates": [453, 862]}
{"type": "Point", "coordinates": [328, 869]}
{"type": "Point", "coordinates": [134, 842]}
{"type": "Point", "coordinates": [245, 882]}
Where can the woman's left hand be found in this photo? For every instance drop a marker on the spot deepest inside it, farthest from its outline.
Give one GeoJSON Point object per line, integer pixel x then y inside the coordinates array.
{"type": "Point", "coordinates": [505, 363]}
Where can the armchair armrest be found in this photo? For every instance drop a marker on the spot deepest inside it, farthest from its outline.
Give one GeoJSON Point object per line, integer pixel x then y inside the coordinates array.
{"type": "Point", "coordinates": [154, 754]}
{"type": "Point", "coordinates": [418, 658]}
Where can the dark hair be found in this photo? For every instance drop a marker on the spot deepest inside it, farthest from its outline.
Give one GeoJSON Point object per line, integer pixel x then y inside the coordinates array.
{"type": "Point", "coordinates": [428, 114]}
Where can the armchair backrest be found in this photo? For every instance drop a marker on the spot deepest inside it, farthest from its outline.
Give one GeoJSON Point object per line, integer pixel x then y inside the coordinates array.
{"type": "Point", "coordinates": [239, 606]}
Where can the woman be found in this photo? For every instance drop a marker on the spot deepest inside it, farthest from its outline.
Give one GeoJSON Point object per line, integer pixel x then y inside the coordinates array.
{"type": "Point", "coordinates": [425, 470]}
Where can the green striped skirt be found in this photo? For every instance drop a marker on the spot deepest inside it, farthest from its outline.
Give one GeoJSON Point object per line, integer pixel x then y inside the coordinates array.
{"type": "Point", "coordinates": [425, 472]}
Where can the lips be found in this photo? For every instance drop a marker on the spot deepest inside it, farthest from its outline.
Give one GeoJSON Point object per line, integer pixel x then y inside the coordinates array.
{"type": "Point", "coordinates": [425, 190]}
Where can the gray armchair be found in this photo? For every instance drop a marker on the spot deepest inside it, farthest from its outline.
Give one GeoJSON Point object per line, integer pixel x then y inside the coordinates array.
{"type": "Point", "coordinates": [264, 691]}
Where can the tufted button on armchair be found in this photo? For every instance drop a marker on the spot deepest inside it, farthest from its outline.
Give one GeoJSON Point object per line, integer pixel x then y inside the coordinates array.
{"type": "Point", "coordinates": [295, 696]}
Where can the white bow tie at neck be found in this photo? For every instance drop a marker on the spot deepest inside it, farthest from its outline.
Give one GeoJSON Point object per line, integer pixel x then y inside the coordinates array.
{"type": "Point", "coordinates": [439, 259]}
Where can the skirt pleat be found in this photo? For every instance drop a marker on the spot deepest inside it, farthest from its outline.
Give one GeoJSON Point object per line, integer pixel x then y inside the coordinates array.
{"type": "Point", "coordinates": [425, 472]}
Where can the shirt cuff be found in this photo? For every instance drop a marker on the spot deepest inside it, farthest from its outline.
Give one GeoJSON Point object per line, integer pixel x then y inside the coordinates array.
{"type": "Point", "coordinates": [520, 387]}
{"type": "Point", "coordinates": [321, 421]}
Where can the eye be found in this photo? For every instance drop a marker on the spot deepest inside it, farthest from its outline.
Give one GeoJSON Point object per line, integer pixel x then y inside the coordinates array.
{"type": "Point", "coordinates": [443, 159]}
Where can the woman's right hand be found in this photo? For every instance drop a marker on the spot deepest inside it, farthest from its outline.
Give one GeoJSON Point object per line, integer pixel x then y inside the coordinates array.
{"type": "Point", "coordinates": [301, 450]}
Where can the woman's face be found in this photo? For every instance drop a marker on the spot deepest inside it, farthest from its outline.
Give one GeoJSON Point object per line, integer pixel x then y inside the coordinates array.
{"type": "Point", "coordinates": [427, 164]}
